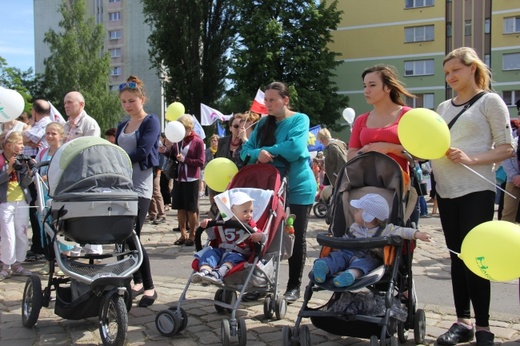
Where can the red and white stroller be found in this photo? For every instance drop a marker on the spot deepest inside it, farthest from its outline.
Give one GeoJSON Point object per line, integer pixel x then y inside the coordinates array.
{"type": "Point", "coordinates": [259, 273]}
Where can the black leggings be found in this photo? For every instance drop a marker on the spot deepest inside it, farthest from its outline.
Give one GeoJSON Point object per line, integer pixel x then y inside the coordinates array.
{"type": "Point", "coordinates": [144, 274]}
{"type": "Point", "coordinates": [458, 217]}
{"type": "Point", "coordinates": [297, 260]}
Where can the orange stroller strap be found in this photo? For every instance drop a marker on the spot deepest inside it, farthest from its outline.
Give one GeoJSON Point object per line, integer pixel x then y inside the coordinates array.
{"type": "Point", "coordinates": [388, 254]}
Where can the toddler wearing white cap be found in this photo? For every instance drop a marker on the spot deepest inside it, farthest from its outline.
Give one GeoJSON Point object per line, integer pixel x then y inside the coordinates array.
{"type": "Point", "coordinates": [370, 217]}
{"type": "Point", "coordinates": [215, 263]}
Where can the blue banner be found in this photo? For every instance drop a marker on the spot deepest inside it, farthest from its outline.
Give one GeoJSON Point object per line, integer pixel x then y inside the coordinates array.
{"type": "Point", "coordinates": [313, 144]}
{"type": "Point", "coordinates": [221, 132]}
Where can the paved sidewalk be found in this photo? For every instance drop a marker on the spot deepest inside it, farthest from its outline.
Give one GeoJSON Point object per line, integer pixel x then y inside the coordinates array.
{"type": "Point", "coordinates": [204, 322]}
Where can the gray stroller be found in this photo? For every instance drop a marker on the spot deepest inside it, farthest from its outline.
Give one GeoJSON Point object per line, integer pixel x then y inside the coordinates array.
{"type": "Point", "coordinates": [90, 183]}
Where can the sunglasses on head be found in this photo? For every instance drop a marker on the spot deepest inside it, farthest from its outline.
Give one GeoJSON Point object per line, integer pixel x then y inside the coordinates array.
{"type": "Point", "coordinates": [128, 85]}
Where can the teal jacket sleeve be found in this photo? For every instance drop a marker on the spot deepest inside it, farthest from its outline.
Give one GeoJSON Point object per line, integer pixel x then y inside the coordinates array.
{"type": "Point", "coordinates": [249, 148]}
{"type": "Point", "coordinates": [292, 139]}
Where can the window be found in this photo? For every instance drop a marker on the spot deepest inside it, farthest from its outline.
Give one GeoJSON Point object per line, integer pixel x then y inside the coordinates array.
{"type": "Point", "coordinates": [418, 68]}
{"type": "Point", "coordinates": [114, 0]}
{"type": "Point", "coordinates": [114, 16]}
{"type": "Point", "coordinates": [419, 33]}
{"type": "Point", "coordinates": [116, 71]}
{"type": "Point", "coordinates": [421, 101]}
{"type": "Point", "coordinates": [115, 53]}
{"type": "Point", "coordinates": [114, 34]}
{"type": "Point", "coordinates": [487, 59]}
{"type": "Point", "coordinates": [487, 26]}
{"type": "Point", "coordinates": [511, 61]}
{"type": "Point", "coordinates": [510, 97]}
{"type": "Point", "coordinates": [511, 25]}
{"type": "Point", "coordinates": [467, 28]}
{"type": "Point", "coordinates": [448, 29]}
{"type": "Point", "coordinates": [418, 3]}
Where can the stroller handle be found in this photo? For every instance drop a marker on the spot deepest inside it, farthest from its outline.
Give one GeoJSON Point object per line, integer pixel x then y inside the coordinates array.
{"type": "Point", "coordinates": [325, 239]}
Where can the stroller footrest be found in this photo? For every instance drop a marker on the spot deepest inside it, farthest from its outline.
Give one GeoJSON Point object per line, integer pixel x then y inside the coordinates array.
{"type": "Point", "coordinates": [91, 271]}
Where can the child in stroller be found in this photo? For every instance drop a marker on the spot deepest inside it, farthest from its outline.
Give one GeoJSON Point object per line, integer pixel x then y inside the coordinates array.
{"type": "Point", "coordinates": [370, 217]}
{"type": "Point", "coordinates": [234, 245]}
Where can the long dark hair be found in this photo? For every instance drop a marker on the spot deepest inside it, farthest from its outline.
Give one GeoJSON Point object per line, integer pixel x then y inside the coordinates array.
{"type": "Point", "coordinates": [267, 131]}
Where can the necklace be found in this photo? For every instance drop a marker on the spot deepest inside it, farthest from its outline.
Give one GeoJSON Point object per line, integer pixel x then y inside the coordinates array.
{"type": "Point", "coordinates": [235, 144]}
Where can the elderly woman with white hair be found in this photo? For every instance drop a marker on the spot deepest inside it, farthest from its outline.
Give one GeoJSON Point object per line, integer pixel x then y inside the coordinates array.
{"type": "Point", "coordinates": [190, 156]}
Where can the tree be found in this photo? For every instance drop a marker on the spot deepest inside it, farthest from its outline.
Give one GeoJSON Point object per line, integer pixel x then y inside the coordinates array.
{"type": "Point", "coordinates": [288, 41]}
{"type": "Point", "coordinates": [190, 42]}
{"type": "Point", "coordinates": [77, 62]}
{"type": "Point", "coordinates": [22, 81]}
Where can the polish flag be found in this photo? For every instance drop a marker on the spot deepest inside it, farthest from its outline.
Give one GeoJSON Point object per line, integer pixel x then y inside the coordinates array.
{"type": "Point", "coordinates": [258, 105]}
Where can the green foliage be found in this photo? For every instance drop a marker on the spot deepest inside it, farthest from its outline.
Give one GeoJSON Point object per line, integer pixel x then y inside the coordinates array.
{"type": "Point", "coordinates": [287, 41]}
{"type": "Point", "coordinates": [77, 62]}
{"type": "Point", "coordinates": [16, 79]}
{"type": "Point", "coordinates": [190, 43]}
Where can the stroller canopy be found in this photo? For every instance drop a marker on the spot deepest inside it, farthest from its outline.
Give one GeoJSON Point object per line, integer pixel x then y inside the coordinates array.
{"type": "Point", "coordinates": [88, 165]}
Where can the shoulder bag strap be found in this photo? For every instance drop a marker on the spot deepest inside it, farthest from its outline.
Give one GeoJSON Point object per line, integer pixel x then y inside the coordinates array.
{"type": "Point", "coordinates": [466, 106]}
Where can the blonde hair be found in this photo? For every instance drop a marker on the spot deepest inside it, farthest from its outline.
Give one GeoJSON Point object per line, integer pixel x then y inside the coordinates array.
{"type": "Point", "coordinates": [9, 137]}
{"type": "Point", "coordinates": [186, 120]}
{"type": "Point", "coordinates": [58, 126]}
{"type": "Point", "coordinates": [324, 134]}
{"type": "Point", "coordinates": [468, 57]}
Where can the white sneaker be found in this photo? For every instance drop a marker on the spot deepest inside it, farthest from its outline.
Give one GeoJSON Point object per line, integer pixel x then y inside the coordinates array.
{"type": "Point", "coordinates": [213, 278]}
{"type": "Point", "coordinates": [198, 277]}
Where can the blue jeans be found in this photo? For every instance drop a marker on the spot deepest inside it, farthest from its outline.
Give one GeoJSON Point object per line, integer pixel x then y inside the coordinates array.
{"type": "Point", "coordinates": [342, 260]}
{"type": "Point", "coordinates": [215, 257]}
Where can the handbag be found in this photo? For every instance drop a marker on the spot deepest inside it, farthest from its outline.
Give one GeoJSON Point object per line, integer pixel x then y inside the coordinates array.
{"type": "Point", "coordinates": [172, 169]}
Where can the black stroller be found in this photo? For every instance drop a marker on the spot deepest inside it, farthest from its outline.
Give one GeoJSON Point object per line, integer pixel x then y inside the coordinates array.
{"type": "Point", "coordinates": [90, 182]}
{"type": "Point", "coordinates": [383, 302]}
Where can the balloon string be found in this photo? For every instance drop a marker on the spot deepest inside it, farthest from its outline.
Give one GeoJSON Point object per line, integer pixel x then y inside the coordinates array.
{"type": "Point", "coordinates": [251, 124]}
{"type": "Point", "coordinates": [444, 247]}
{"type": "Point", "coordinates": [489, 181]}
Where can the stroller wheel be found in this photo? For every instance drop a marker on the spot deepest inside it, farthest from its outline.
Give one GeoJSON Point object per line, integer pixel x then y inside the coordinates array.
{"type": "Point", "coordinates": [374, 341]}
{"type": "Point", "coordinates": [230, 297]}
{"type": "Point", "coordinates": [280, 307]}
{"type": "Point", "coordinates": [320, 210]}
{"type": "Point", "coordinates": [242, 332]}
{"type": "Point", "coordinates": [168, 322]}
{"type": "Point", "coordinates": [402, 333]}
{"type": "Point", "coordinates": [32, 301]}
{"type": "Point", "coordinates": [219, 297]}
{"type": "Point", "coordinates": [419, 326]}
{"type": "Point", "coordinates": [113, 320]}
{"type": "Point", "coordinates": [305, 336]}
{"type": "Point", "coordinates": [225, 332]}
{"type": "Point", "coordinates": [183, 316]}
{"type": "Point", "coordinates": [268, 309]}
{"type": "Point", "coordinates": [286, 336]}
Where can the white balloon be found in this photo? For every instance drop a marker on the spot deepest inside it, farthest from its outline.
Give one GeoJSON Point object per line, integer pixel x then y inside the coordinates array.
{"type": "Point", "coordinates": [174, 131]}
{"type": "Point", "coordinates": [11, 104]}
{"type": "Point", "coordinates": [349, 114]}
{"type": "Point", "coordinates": [313, 154]}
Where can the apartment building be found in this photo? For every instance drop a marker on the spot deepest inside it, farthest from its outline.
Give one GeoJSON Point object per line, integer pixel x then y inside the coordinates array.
{"type": "Point", "coordinates": [126, 41]}
{"type": "Point", "coordinates": [415, 35]}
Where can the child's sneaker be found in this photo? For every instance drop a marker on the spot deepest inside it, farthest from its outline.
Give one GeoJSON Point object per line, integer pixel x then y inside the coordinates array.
{"type": "Point", "coordinates": [320, 271]}
{"type": "Point", "coordinates": [214, 277]}
{"type": "Point", "coordinates": [198, 277]}
{"type": "Point", "coordinates": [344, 279]}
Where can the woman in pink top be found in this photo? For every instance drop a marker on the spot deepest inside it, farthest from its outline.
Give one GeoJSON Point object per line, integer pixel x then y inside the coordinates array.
{"type": "Point", "coordinates": [377, 129]}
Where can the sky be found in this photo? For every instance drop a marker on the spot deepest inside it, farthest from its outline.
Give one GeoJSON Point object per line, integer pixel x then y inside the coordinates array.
{"type": "Point", "coordinates": [17, 33]}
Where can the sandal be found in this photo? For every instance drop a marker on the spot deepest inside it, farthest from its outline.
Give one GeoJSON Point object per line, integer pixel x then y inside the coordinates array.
{"type": "Point", "coordinates": [189, 242]}
{"type": "Point", "coordinates": [19, 270]}
{"type": "Point", "coordinates": [4, 274]}
{"type": "Point", "coordinates": [179, 241]}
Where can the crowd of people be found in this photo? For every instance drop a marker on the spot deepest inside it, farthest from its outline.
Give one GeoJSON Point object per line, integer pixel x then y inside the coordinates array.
{"type": "Point", "coordinates": [170, 175]}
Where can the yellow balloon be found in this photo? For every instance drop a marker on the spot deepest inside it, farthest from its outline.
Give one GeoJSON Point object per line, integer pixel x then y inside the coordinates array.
{"type": "Point", "coordinates": [424, 134]}
{"type": "Point", "coordinates": [219, 172]}
{"type": "Point", "coordinates": [174, 111]}
{"type": "Point", "coordinates": [492, 250]}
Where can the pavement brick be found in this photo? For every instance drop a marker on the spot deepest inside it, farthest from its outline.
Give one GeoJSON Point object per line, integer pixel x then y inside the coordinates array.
{"type": "Point", "coordinates": [204, 322]}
